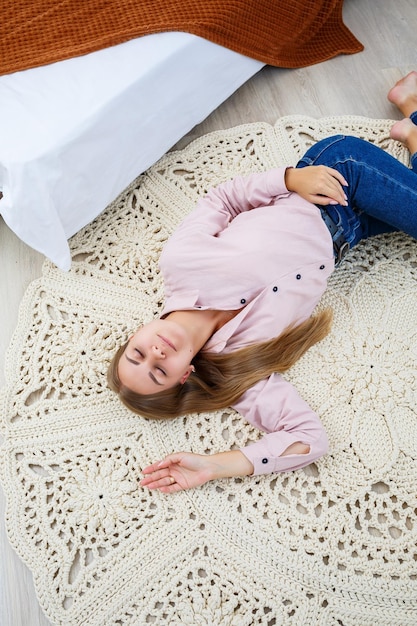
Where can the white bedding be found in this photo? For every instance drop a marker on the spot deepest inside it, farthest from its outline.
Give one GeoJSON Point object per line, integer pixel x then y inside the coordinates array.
{"type": "Point", "coordinates": [74, 134]}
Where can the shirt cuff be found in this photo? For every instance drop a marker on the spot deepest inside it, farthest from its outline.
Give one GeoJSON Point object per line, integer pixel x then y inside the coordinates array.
{"type": "Point", "coordinates": [275, 182]}
{"type": "Point", "coordinates": [266, 457]}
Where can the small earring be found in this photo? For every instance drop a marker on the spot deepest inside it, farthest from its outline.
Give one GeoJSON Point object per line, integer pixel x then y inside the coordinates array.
{"type": "Point", "coordinates": [192, 368]}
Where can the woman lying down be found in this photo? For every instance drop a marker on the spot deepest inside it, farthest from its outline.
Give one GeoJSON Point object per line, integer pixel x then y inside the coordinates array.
{"type": "Point", "coordinates": [243, 274]}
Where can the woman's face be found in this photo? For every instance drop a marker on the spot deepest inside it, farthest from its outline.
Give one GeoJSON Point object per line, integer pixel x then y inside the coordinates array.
{"type": "Point", "coordinates": [157, 357]}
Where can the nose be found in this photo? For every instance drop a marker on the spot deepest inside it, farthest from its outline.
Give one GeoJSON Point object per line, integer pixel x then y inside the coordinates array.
{"type": "Point", "coordinates": [158, 351]}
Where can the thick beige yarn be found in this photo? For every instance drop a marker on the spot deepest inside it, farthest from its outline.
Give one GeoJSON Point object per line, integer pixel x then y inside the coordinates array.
{"type": "Point", "coordinates": [333, 544]}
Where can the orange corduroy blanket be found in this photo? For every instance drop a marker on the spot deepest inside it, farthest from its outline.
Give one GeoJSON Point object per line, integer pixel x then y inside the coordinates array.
{"type": "Point", "coordinates": [294, 33]}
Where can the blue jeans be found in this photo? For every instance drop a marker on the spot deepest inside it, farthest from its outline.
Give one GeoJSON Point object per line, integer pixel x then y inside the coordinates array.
{"type": "Point", "coordinates": [382, 192]}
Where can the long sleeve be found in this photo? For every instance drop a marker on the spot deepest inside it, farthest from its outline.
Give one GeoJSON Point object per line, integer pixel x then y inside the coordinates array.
{"type": "Point", "coordinates": [274, 406]}
{"type": "Point", "coordinates": [215, 210]}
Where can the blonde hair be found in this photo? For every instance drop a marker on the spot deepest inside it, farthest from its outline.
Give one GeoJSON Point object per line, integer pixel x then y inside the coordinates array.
{"type": "Point", "coordinates": [221, 379]}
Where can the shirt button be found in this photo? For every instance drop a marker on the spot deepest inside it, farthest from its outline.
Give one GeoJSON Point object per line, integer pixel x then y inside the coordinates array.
{"type": "Point", "coordinates": [298, 276]}
{"type": "Point", "coordinates": [264, 461]}
{"type": "Point", "coordinates": [243, 301]}
{"type": "Point", "coordinates": [275, 288]}
{"type": "Point", "coordinates": [322, 267]}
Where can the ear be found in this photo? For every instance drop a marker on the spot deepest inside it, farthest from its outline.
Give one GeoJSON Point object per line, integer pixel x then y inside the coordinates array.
{"type": "Point", "coordinates": [190, 370]}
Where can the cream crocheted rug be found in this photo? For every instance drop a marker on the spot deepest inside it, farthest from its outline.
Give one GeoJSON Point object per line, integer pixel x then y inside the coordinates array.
{"type": "Point", "coordinates": [334, 543]}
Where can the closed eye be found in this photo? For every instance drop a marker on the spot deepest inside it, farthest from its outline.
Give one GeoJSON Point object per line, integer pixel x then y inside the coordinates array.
{"type": "Point", "coordinates": [138, 357]}
{"type": "Point", "coordinates": [138, 362]}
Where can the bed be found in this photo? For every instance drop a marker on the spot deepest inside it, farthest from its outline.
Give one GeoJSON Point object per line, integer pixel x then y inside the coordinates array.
{"type": "Point", "coordinates": [80, 123]}
{"type": "Point", "coordinates": [75, 133]}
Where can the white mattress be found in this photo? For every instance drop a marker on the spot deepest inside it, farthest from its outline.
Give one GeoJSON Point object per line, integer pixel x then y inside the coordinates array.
{"type": "Point", "coordinates": [74, 134]}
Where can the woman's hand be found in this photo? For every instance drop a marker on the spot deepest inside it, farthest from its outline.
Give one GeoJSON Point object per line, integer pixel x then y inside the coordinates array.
{"type": "Point", "coordinates": [184, 470]}
{"type": "Point", "coordinates": [317, 184]}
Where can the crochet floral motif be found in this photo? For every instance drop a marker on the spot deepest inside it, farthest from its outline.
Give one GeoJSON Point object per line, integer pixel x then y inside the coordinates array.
{"type": "Point", "coordinates": [100, 496]}
{"type": "Point", "coordinates": [367, 381]}
{"type": "Point", "coordinates": [333, 543]}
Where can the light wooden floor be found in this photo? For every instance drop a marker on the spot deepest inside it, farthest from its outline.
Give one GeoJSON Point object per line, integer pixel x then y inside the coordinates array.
{"type": "Point", "coordinates": [345, 85]}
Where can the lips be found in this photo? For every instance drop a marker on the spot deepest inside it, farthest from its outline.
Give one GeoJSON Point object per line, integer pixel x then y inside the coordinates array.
{"type": "Point", "coordinates": [167, 341]}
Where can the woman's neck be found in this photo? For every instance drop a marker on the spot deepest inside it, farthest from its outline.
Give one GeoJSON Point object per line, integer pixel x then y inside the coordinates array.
{"type": "Point", "coordinates": [201, 324]}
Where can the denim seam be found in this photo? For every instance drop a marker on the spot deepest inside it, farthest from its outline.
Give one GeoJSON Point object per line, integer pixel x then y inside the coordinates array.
{"type": "Point", "coordinates": [372, 169]}
{"type": "Point", "coordinates": [337, 139]}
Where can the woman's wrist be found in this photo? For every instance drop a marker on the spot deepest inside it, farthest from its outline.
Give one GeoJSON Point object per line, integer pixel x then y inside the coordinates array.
{"type": "Point", "coordinates": [230, 465]}
{"type": "Point", "coordinates": [289, 176]}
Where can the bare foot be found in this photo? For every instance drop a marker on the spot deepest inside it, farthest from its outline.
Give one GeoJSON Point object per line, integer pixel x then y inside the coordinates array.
{"type": "Point", "coordinates": [405, 132]}
{"type": "Point", "coordinates": [404, 94]}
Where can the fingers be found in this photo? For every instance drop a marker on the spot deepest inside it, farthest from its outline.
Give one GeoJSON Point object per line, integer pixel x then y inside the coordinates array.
{"type": "Point", "coordinates": [164, 463]}
{"type": "Point", "coordinates": [174, 488]}
{"type": "Point", "coordinates": [331, 188]}
{"type": "Point", "coordinates": [165, 484]}
{"type": "Point", "coordinates": [160, 477]}
{"type": "Point", "coordinates": [336, 174]}
{"type": "Point", "coordinates": [324, 200]}
{"type": "Point", "coordinates": [321, 200]}
{"type": "Point", "coordinates": [151, 468]}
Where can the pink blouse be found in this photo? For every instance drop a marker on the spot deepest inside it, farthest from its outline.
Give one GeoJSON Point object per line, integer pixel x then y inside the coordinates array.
{"type": "Point", "coordinates": [273, 263]}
